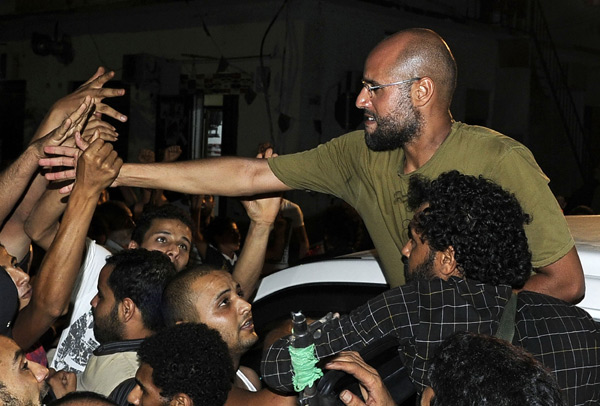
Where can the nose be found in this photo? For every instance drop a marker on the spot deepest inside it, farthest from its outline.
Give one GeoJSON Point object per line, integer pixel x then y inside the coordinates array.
{"type": "Point", "coordinates": [244, 307]}
{"type": "Point", "coordinates": [22, 278]}
{"type": "Point", "coordinates": [134, 395]}
{"type": "Point", "coordinates": [173, 252]}
{"type": "Point", "coordinates": [39, 371]}
{"type": "Point", "coordinates": [94, 301]}
{"type": "Point", "coordinates": [363, 99]}
{"type": "Point", "coordinates": [406, 250]}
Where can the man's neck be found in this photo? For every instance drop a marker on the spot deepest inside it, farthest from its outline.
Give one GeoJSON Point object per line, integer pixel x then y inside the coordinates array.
{"type": "Point", "coordinates": [418, 152]}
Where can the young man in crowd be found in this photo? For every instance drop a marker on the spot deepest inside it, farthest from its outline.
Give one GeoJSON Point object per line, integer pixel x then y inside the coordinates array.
{"type": "Point", "coordinates": [126, 310]}
{"type": "Point", "coordinates": [187, 365]}
{"type": "Point", "coordinates": [211, 296]}
{"type": "Point", "coordinates": [22, 382]}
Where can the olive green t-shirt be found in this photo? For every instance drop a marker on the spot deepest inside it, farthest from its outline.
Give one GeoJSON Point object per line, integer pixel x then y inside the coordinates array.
{"type": "Point", "coordinates": [373, 183]}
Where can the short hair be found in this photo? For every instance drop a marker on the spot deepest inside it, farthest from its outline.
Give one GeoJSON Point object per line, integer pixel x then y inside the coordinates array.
{"type": "Point", "coordinates": [480, 220]}
{"type": "Point", "coordinates": [83, 398]}
{"type": "Point", "coordinates": [427, 54]}
{"type": "Point", "coordinates": [141, 275]}
{"type": "Point", "coordinates": [189, 358]}
{"type": "Point", "coordinates": [151, 213]}
{"type": "Point", "coordinates": [178, 300]}
{"type": "Point", "coordinates": [474, 369]}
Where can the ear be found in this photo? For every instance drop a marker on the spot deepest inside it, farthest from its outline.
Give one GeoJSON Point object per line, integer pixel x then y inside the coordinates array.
{"type": "Point", "coordinates": [181, 399]}
{"type": "Point", "coordinates": [422, 91]}
{"type": "Point", "coordinates": [127, 309]}
{"type": "Point", "coordinates": [446, 264]}
{"type": "Point", "coordinates": [132, 245]}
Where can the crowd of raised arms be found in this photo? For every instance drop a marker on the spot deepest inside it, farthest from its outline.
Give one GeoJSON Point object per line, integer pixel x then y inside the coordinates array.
{"type": "Point", "coordinates": [115, 293]}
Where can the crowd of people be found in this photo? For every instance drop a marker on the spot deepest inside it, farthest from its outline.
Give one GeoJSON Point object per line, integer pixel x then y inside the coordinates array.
{"type": "Point", "coordinates": [143, 301]}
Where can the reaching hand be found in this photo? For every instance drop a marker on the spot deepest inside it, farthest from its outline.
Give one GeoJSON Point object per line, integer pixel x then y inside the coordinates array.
{"type": "Point", "coordinates": [94, 89]}
{"type": "Point", "coordinates": [106, 131]}
{"type": "Point", "coordinates": [172, 153]}
{"type": "Point", "coordinates": [146, 156]}
{"type": "Point", "coordinates": [263, 208]}
{"type": "Point", "coordinates": [97, 167]}
{"type": "Point", "coordinates": [371, 385]}
{"type": "Point", "coordinates": [72, 124]}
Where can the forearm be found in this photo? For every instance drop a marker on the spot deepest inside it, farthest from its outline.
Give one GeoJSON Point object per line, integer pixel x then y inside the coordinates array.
{"type": "Point", "coordinates": [15, 179]}
{"type": "Point", "coordinates": [225, 176]}
{"type": "Point", "coordinates": [13, 235]}
{"type": "Point", "coordinates": [43, 221]}
{"type": "Point", "coordinates": [252, 258]}
{"type": "Point", "coordinates": [562, 279]}
{"type": "Point", "coordinates": [58, 271]}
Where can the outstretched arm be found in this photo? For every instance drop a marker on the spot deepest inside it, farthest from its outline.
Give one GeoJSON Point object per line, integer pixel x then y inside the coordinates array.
{"type": "Point", "coordinates": [96, 170]}
{"type": "Point", "coordinates": [224, 176]}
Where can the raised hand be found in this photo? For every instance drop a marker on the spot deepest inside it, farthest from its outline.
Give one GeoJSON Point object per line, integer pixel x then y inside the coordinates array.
{"type": "Point", "coordinates": [146, 156]}
{"type": "Point", "coordinates": [263, 208]}
{"type": "Point", "coordinates": [72, 124]}
{"type": "Point", "coordinates": [97, 167]}
{"type": "Point", "coordinates": [94, 89]}
{"type": "Point", "coordinates": [172, 153]}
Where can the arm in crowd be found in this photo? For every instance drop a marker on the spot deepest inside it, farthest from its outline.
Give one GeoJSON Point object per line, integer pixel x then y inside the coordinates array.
{"type": "Point", "coordinates": [562, 279]}
{"type": "Point", "coordinates": [20, 173]}
{"type": "Point", "coordinates": [96, 170]}
{"type": "Point", "coordinates": [262, 212]}
{"type": "Point", "coordinates": [43, 220]}
{"type": "Point", "coordinates": [224, 176]}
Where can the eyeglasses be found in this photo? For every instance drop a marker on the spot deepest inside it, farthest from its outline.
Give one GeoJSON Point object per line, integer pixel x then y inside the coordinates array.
{"type": "Point", "coordinates": [371, 89]}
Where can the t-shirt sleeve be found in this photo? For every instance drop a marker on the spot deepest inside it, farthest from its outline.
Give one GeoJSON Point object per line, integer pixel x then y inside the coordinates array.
{"type": "Point", "coordinates": [548, 233]}
{"type": "Point", "coordinates": [326, 168]}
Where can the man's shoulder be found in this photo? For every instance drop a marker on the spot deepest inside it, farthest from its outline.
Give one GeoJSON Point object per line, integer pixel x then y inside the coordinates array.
{"type": "Point", "coordinates": [478, 136]}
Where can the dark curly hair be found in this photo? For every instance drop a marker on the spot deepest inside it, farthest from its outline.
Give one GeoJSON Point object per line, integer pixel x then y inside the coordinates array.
{"type": "Point", "coordinates": [141, 275]}
{"type": "Point", "coordinates": [473, 369]}
{"type": "Point", "coordinates": [167, 211]}
{"type": "Point", "coordinates": [189, 358]}
{"type": "Point", "coordinates": [480, 220]}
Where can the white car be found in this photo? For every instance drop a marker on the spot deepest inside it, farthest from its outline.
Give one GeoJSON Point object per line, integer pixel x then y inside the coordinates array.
{"type": "Point", "coordinates": [346, 282]}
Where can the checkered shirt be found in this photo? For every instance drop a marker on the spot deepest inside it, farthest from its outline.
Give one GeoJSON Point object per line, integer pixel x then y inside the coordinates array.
{"type": "Point", "coordinates": [423, 313]}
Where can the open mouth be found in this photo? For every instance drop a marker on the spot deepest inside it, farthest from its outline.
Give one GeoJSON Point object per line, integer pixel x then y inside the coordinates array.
{"type": "Point", "coordinates": [248, 325]}
{"type": "Point", "coordinates": [27, 293]}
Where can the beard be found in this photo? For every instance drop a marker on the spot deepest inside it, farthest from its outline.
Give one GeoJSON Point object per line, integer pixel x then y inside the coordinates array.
{"type": "Point", "coordinates": [393, 132]}
{"type": "Point", "coordinates": [108, 329]}
{"type": "Point", "coordinates": [421, 272]}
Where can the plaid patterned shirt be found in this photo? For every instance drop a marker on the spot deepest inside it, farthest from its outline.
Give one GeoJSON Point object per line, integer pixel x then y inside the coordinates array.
{"type": "Point", "coordinates": [422, 314]}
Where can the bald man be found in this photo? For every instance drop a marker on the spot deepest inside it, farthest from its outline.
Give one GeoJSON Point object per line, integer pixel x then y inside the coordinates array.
{"type": "Point", "coordinates": [408, 82]}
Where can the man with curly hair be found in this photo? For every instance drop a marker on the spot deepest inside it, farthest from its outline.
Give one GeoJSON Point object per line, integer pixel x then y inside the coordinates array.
{"type": "Point", "coordinates": [467, 253]}
{"type": "Point", "coordinates": [468, 368]}
{"type": "Point", "coordinates": [188, 364]}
